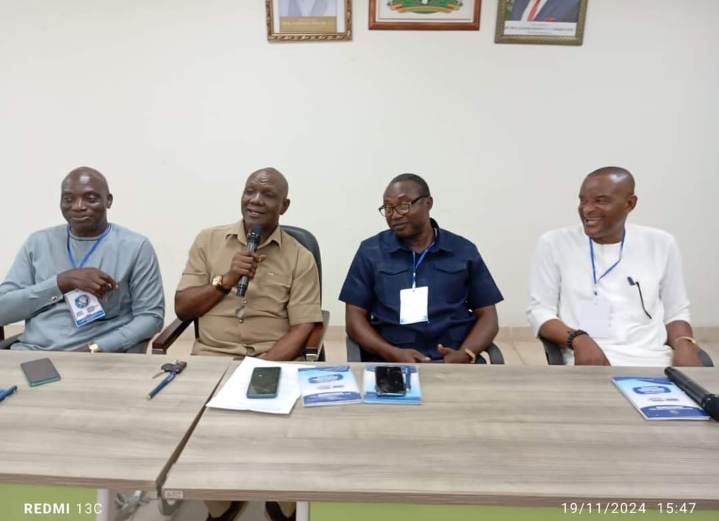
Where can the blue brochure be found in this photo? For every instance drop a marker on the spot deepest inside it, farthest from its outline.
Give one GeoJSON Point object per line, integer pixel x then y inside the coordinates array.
{"type": "Point", "coordinates": [329, 385]}
{"type": "Point", "coordinates": [657, 398]}
{"type": "Point", "coordinates": [413, 396]}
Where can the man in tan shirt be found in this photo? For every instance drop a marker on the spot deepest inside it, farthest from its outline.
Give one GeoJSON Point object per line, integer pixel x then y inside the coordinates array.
{"type": "Point", "coordinates": [280, 308]}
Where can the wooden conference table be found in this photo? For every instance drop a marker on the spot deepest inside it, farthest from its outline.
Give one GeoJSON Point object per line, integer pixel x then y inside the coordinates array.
{"type": "Point", "coordinates": [95, 427]}
{"type": "Point", "coordinates": [494, 435]}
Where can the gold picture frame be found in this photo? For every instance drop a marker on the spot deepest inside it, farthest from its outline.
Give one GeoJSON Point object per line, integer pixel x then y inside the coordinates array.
{"type": "Point", "coordinates": [552, 22]}
{"type": "Point", "coordinates": [428, 15]}
{"type": "Point", "coordinates": [308, 20]}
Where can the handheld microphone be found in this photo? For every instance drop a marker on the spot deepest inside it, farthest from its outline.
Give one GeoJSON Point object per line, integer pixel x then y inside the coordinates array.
{"type": "Point", "coordinates": [253, 240]}
{"type": "Point", "coordinates": [706, 400]}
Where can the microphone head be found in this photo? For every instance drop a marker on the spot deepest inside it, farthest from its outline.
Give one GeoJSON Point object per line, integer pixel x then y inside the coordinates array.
{"type": "Point", "coordinates": [710, 404]}
{"type": "Point", "coordinates": [255, 233]}
{"type": "Point", "coordinates": [670, 371]}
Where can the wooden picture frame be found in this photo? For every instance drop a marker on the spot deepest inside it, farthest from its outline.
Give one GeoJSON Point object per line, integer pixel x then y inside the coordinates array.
{"type": "Point", "coordinates": [553, 22]}
{"type": "Point", "coordinates": [425, 15]}
{"type": "Point", "coordinates": [308, 20]}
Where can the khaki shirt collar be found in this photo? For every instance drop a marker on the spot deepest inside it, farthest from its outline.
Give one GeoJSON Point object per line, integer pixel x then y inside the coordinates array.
{"type": "Point", "coordinates": [238, 230]}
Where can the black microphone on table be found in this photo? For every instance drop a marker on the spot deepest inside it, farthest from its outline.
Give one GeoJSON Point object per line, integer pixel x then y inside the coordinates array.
{"type": "Point", "coordinates": [253, 240]}
{"type": "Point", "coordinates": [706, 400]}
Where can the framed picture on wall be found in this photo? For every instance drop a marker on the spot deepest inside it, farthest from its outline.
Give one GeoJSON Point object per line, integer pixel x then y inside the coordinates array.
{"type": "Point", "coordinates": [305, 20]}
{"type": "Point", "coordinates": [432, 15]}
{"type": "Point", "coordinates": [558, 22]}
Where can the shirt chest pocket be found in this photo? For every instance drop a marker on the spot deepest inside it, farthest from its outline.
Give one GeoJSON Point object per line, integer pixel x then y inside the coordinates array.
{"type": "Point", "coordinates": [449, 281]}
{"type": "Point", "coordinates": [269, 294]}
{"type": "Point", "coordinates": [641, 298]}
{"type": "Point", "coordinates": [390, 279]}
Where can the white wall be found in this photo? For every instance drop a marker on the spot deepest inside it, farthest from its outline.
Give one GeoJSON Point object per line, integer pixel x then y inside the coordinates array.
{"type": "Point", "coordinates": [176, 101]}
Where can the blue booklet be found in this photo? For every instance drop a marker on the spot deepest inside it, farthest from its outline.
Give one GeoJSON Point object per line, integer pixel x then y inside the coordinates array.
{"type": "Point", "coordinates": [329, 385]}
{"type": "Point", "coordinates": [658, 398]}
{"type": "Point", "coordinates": [412, 396]}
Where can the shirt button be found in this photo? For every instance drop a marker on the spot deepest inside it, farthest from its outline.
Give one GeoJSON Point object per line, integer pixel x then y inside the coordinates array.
{"type": "Point", "coordinates": [241, 321]}
{"type": "Point", "coordinates": [244, 302]}
{"type": "Point", "coordinates": [54, 299]}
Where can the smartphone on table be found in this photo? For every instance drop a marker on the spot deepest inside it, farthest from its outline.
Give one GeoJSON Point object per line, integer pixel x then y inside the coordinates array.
{"type": "Point", "coordinates": [389, 381]}
{"type": "Point", "coordinates": [40, 371]}
{"type": "Point", "coordinates": [264, 382]}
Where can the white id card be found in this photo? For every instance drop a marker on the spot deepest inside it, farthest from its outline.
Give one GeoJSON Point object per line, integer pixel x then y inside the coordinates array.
{"type": "Point", "coordinates": [594, 318]}
{"type": "Point", "coordinates": [84, 307]}
{"type": "Point", "coordinates": [413, 305]}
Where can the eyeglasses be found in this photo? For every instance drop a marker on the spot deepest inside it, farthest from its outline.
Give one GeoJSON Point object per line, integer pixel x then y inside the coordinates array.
{"type": "Point", "coordinates": [401, 209]}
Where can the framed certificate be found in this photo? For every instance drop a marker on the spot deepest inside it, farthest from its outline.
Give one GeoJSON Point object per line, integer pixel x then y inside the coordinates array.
{"type": "Point", "coordinates": [305, 20]}
{"type": "Point", "coordinates": [430, 15]}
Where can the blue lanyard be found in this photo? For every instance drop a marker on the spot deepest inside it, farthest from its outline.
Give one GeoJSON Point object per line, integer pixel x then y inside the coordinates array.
{"type": "Point", "coordinates": [594, 268]}
{"type": "Point", "coordinates": [416, 263]}
{"type": "Point", "coordinates": [87, 255]}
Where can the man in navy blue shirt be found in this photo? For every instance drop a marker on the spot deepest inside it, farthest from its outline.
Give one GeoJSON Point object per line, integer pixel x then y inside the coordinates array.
{"type": "Point", "coordinates": [416, 293]}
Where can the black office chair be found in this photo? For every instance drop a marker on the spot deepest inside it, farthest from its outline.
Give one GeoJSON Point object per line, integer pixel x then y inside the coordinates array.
{"type": "Point", "coordinates": [554, 354]}
{"type": "Point", "coordinates": [5, 343]}
{"type": "Point", "coordinates": [314, 350]}
{"type": "Point", "coordinates": [355, 353]}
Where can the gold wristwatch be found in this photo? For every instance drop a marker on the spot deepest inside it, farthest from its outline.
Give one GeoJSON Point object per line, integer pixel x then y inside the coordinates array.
{"type": "Point", "coordinates": [94, 348]}
{"type": "Point", "coordinates": [471, 354]}
{"type": "Point", "coordinates": [217, 282]}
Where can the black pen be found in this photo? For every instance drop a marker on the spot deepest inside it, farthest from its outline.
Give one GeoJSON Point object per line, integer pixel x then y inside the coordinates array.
{"type": "Point", "coordinates": [632, 282]}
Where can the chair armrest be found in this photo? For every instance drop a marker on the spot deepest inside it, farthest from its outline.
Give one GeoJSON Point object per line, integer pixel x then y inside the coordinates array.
{"type": "Point", "coordinates": [705, 358]}
{"type": "Point", "coordinates": [5, 344]}
{"type": "Point", "coordinates": [168, 336]}
{"type": "Point", "coordinates": [552, 351]}
{"type": "Point", "coordinates": [554, 354]}
{"type": "Point", "coordinates": [314, 351]}
{"type": "Point", "coordinates": [495, 354]}
{"type": "Point", "coordinates": [353, 350]}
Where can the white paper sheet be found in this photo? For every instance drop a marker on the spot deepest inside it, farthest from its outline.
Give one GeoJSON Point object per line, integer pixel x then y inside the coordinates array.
{"type": "Point", "coordinates": [233, 394]}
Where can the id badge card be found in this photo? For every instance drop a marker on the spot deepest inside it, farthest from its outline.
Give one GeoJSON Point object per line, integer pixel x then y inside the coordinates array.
{"type": "Point", "coordinates": [594, 317]}
{"type": "Point", "coordinates": [84, 307]}
{"type": "Point", "coordinates": [413, 305]}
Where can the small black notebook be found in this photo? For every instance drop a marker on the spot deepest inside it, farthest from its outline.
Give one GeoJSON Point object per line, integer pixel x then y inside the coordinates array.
{"type": "Point", "coordinates": [40, 372]}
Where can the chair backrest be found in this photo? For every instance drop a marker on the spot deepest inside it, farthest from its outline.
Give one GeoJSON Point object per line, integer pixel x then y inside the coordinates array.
{"type": "Point", "coordinates": [306, 239]}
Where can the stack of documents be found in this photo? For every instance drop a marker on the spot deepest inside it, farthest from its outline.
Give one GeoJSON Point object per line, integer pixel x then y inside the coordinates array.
{"type": "Point", "coordinates": [657, 398]}
{"type": "Point", "coordinates": [328, 385]}
{"type": "Point", "coordinates": [233, 394]}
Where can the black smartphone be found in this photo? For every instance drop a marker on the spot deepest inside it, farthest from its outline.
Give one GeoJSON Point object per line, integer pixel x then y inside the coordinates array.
{"type": "Point", "coordinates": [264, 382]}
{"type": "Point", "coordinates": [389, 381]}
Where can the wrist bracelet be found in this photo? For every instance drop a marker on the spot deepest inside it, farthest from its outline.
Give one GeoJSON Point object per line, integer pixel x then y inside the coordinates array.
{"type": "Point", "coordinates": [574, 334]}
{"type": "Point", "coordinates": [688, 338]}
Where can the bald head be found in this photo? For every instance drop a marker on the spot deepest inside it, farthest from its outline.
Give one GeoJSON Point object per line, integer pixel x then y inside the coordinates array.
{"type": "Point", "coordinates": [84, 200]}
{"type": "Point", "coordinates": [605, 200]}
{"type": "Point", "coordinates": [274, 177]}
{"type": "Point", "coordinates": [89, 175]}
{"type": "Point", "coordinates": [264, 200]}
{"type": "Point", "coordinates": [618, 176]}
